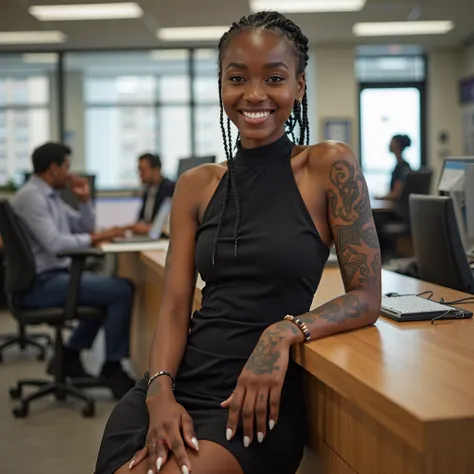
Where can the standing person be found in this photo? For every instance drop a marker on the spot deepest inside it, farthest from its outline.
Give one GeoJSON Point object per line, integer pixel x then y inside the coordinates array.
{"type": "Point", "coordinates": [158, 189]}
{"type": "Point", "coordinates": [398, 145]}
{"type": "Point", "coordinates": [53, 226]}
{"type": "Point", "coordinates": [223, 394]}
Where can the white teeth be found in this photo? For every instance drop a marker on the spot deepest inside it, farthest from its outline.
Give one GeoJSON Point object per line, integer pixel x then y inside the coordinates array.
{"type": "Point", "coordinates": [256, 115]}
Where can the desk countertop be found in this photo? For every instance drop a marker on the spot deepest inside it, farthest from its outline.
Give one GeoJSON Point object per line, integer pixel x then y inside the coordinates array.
{"type": "Point", "coordinates": [405, 374]}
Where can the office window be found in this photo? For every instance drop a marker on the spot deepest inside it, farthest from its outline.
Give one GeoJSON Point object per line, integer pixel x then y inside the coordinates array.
{"type": "Point", "coordinates": [386, 112]}
{"type": "Point", "coordinates": [25, 116]}
{"type": "Point", "coordinates": [130, 103]}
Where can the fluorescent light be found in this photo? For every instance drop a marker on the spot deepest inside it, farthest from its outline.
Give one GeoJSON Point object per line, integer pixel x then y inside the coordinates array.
{"type": "Point", "coordinates": [31, 37]}
{"type": "Point", "coordinates": [193, 33]}
{"type": "Point", "coordinates": [93, 11]}
{"type": "Point", "coordinates": [403, 28]}
{"type": "Point", "coordinates": [307, 6]}
{"type": "Point", "coordinates": [39, 58]}
{"type": "Point", "coordinates": [169, 55]}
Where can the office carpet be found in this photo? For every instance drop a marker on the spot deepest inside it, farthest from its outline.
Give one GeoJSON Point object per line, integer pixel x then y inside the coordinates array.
{"type": "Point", "coordinates": [55, 438]}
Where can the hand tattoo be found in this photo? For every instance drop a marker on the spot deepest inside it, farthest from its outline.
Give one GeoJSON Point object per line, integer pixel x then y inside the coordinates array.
{"type": "Point", "coordinates": [266, 354]}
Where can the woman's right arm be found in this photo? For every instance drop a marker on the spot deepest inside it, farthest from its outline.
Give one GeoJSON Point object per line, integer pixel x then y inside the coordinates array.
{"type": "Point", "coordinates": [170, 425]}
{"type": "Point", "coordinates": [171, 330]}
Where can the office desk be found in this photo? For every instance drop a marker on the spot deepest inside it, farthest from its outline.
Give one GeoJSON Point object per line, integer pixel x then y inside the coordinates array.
{"type": "Point", "coordinates": [387, 399]}
{"type": "Point", "coordinates": [381, 205]}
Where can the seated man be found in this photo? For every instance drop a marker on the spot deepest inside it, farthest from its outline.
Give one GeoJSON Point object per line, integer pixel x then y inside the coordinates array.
{"type": "Point", "coordinates": [158, 188]}
{"type": "Point", "coordinates": [54, 226]}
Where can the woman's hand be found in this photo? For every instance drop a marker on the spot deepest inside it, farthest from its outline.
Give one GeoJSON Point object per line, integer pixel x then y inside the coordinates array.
{"type": "Point", "coordinates": [170, 429]}
{"type": "Point", "coordinates": [257, 395]}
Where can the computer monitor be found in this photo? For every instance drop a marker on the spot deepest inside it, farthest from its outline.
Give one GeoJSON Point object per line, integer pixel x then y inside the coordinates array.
{"type": "Point", "coordinates": [186, 164]}
{"type": "Point", "coordinates": [454, 176]}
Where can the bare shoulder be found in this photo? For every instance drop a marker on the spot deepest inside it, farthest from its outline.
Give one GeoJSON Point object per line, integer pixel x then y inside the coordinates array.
{"type": "Point", "coordinates": [327, 156]}
{"type": "Point", "coordinates": [195, 179]}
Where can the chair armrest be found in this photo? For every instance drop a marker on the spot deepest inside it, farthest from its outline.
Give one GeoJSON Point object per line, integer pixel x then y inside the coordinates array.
{"type": "Point", "coordinates": [81, 253]}
{"type": "Point", "coordinates": [78, 264]}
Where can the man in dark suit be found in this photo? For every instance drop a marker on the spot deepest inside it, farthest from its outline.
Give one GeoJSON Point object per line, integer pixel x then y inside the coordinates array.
{"type": "Point", "coordinates": [157, 189]}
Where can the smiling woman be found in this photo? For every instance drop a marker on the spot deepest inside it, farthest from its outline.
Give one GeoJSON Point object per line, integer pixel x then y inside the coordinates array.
{"type": "Point", "coordinates": [222, 393]}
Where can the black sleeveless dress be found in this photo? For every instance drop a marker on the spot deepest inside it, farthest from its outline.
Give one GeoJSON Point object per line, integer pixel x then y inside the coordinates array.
{"type": "Point", "coordinates": [279, 263]}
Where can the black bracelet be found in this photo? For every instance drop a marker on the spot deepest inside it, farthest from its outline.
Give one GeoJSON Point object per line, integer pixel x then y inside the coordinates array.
{"type": "Point", "coordinates": [304, 329]}
{"type": "Point", "coordinates": [159, 374]}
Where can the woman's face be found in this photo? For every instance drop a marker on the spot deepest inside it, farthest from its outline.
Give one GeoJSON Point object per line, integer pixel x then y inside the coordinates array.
{"type": "Point", "coordinates": [260, 85]}
{"type": "Point", "coordinates": [395, 146]}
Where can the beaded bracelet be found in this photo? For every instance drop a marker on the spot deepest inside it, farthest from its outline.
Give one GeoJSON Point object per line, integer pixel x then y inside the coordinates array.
{"type": "Point", "coordinates": [304, 329]}
{"type": "Point", "coordinates": [159, 374]}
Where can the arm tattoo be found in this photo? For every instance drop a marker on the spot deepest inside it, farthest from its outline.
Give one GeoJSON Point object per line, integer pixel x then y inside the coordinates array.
{"type": "Point", "coordinates": [338, 311]}
{"type": "Point", "coordinates": [349, 205]}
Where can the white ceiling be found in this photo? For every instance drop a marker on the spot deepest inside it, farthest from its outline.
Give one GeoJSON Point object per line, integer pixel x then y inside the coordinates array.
{"type": "Point", "coordinates": [327, 28]}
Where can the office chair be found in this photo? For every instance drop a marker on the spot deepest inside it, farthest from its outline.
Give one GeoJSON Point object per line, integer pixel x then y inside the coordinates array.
{"type": "Point", "coordinates": [66, 194]}
{"type": "Point", "coordinates": [185, 164]}
{"type": "Point", "coordinates": [439, 252]}
{"type": "Point", "coordinates": [20, 273]}
{"type": "Point", "coordinates": [396, 232]}
{"type": "Point", "coordinates": [415, 182]}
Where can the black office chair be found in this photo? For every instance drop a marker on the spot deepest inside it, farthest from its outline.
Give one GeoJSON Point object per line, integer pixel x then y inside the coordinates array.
{"type": "Point", "coordinates": [67, 195]}
{"type": "Point", "coordinates": [185, 164]}
{"type": "Point", "coordinates": [415, 182]}
{"type": "Point", "coordinates": [439, 251]}
{"type": "Point", "coordinates": [20, 273]}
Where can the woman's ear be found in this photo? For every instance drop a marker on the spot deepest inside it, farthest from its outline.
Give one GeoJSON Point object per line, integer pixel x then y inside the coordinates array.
{"type": "Point", "coordinates": [301, 86]}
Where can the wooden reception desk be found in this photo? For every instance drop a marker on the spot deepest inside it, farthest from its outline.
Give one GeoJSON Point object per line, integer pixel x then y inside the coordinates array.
{"type": "Point", "coordinates": [394, 398]}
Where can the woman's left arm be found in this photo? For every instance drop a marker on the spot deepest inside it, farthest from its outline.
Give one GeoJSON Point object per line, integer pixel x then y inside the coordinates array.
{"type": "Point", "coordinates": [257, 396]}
{"type": "Point", "coordinates": [357, 246]}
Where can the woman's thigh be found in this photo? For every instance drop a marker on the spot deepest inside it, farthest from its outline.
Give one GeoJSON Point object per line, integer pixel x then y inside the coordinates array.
{"type": "Point", "coordinates": [212, 458]}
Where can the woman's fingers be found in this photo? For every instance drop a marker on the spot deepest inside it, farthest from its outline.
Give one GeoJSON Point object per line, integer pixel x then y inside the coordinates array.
{"type": "Point", "coordinates": [138, 457]}
{"type": "Point", "coordinates": [152, 454]}
{"type": "Point", "coordinates": [161, 455]}
{"type": "Point", "coordinates": [248, 415]}
{"type": "Point", "coordinates": [179, 451]}
{"type": "Point", "coordinates": [234, 412]}
{"type": "Point", "coordinates": [275, 394]}
{"type": "Point", "coordinates": [226, 403]}
{"type": "Point", "coordinates": [189, 434]}
{"type": "Point", "coordinates": [261, 410]}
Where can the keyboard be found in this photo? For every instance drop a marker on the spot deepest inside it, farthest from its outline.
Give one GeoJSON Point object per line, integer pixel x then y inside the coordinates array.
{"type": "Point", "coordinates": [416, 308]}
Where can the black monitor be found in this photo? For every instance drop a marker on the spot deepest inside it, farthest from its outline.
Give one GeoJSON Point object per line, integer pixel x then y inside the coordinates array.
{"type": "Point", "coordinates": [186, 164]}
{"type": "Point", "coordinates": [437, 243]}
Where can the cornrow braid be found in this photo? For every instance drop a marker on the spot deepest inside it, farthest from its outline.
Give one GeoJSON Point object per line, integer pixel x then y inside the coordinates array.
{"type": "Point", "coordinates": [274, 21]}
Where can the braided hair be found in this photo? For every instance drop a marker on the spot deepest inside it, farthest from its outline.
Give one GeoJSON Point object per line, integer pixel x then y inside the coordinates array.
{"type": "Point", "coordinates": [273, 21]}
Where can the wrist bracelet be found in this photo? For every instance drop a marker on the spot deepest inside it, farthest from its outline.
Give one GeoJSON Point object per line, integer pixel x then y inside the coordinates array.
{"type": "Point", "coordinates": [304, 329]}
{"type": "Point", "coordinates": [159, 374]}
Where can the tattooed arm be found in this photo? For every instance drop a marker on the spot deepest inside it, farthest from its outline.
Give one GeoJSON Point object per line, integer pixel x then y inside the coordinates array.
{"type": "Point", "coordinates": [256, 397]}
{"type": "Point", "coordinates": [350, 219]}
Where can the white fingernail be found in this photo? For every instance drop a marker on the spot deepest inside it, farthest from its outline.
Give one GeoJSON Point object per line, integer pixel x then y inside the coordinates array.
{"type": "Point", "coordinates": [159, 462]}
{"type": "Point", "coordinates": [131, 464]}
{"type": "Point", "coordinates": [195, 442]}
{"type": "Point", "coordinates": [271, 424]}
{"type": "Point", "coordinates": [150, 472]}
{"type": "Point", "coordinates": [185, 470]}
{"type": "Point", "coordinates": [246, 441]}
{"type": "Point", "coordinates": [228, 434]}
{"type": "Point", "coordinates": [260, 437]}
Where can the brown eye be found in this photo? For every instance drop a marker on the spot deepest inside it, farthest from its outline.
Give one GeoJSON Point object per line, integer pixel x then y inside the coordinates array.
{"type": "Point", "coordinates": [236, 79]}
{"type": "Point", "coordinates": [275, 79]}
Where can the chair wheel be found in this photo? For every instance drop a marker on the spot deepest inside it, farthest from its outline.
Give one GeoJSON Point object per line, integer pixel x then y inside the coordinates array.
{"type": "Point", "coordinates": [88, 411]}
{"type": "Point", "coordinates": [21, 412]}
{"type": "Point", "coordinates": [15, 393]}
{"type": "Point", "coordinates": [41, 356]}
